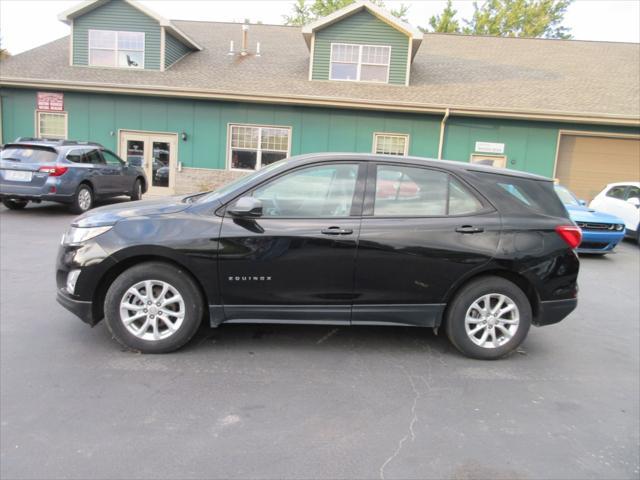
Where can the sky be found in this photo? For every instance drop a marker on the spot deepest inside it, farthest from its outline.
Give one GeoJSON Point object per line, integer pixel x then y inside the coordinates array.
{"type": "Point", "coordinates": [25, 24]}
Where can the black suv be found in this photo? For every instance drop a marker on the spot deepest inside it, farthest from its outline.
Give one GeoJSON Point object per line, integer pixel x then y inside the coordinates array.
{"type": "Point", "coordinates": [335, 239]}
{"type": "Point", "coordinates": [65, 171]}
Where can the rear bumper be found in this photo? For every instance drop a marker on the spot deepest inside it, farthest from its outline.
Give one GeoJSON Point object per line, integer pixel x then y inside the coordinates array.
{"type": "Point", "coordinates": [53, 189]}
{"type": "Point", "coordinates": [554, 311]}
{"type": "Point", "coordinates": [38, 198]}
{"type": "Point", "coordinates": [79, 308]}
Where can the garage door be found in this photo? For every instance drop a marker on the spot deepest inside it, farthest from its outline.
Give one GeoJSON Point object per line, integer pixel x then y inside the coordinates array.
{"type": "Point", "coordinates": [587, 163]}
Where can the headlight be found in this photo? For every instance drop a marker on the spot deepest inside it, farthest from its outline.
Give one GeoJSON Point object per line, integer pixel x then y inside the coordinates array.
{"type": "Point", "coordinates": [77, 235]}
{"type": "Point", "coordinates": [619, 227]}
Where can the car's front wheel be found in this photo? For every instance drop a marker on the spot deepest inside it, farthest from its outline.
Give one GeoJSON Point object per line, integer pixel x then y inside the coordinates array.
{"type": "Point", "coordinates": [153, 308]}
{"type": "Point", "coordinates": [488, 318]}
{"type": "Point", "coordinates": [13, 204]}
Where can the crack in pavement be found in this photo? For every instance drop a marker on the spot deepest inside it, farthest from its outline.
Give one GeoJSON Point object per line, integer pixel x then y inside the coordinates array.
{"type": "Point", "coordinates": [410, 431]}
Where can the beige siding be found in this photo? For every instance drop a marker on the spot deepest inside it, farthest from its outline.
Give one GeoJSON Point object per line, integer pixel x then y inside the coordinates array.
{"type": "Point", "coordinates": [588, 163]}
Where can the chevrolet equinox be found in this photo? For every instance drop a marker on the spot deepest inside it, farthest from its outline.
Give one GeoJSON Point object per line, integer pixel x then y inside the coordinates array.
{"type": "Point", "coordinates": [332, 239]}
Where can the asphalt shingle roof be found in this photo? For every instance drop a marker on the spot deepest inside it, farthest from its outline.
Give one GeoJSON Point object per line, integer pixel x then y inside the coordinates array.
{"type": "Point", "coordinates": [552, 77]}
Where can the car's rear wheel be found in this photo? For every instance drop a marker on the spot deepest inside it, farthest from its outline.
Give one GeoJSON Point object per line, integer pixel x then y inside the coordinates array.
{"type": "Point", "coordinates": [136, 193]}
{"type": "Point", "coordinates": [153, 308]}
{"type": "Point", "coordinates": [83, 199]}
{"type": "Point", "coordinates": [14, 204]}
{"type": "Point", "coordinates": [488, 318]}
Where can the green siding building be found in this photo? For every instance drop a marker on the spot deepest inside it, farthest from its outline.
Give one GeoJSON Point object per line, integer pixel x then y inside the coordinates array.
{"type": "Point", "coordinates": [211, 101]}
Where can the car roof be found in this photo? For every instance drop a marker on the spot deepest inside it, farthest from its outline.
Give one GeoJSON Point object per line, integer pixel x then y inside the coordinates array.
{"type": "Point", "coordinates": [616, 184]}
{"type": "Point", "coordinates": [411, 160]}
{"type": "Point", "coordinates": [52, 142]}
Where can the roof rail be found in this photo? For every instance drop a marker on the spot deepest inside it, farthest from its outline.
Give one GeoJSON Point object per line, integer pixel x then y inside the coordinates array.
{"type": "Point", "coordinates": [57, 141]}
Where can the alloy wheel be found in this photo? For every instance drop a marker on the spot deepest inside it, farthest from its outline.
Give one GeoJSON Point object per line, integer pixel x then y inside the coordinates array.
{"type": "Point", "coordinates": [152, 310]}
{"type": "Point", "coordinates": [492, 320]}
{"type": "Point", "coordinates": [84, 199]}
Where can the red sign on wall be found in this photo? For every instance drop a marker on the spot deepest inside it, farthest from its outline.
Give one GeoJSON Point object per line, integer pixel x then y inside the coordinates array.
{"type": "Point", "coordinates": [52, 102]}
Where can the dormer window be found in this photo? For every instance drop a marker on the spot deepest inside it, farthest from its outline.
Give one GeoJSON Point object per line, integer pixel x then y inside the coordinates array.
{"type": "Point", "coordinates": [109, 48]}
{"type": "Point", "coordinates": [364, 63]}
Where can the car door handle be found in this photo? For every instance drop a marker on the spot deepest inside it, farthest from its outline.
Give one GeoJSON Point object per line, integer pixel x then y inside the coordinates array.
{"type": "Point", "coordinates": [336, 231]}
{"type": "Point", "coordinates": [469, 229]}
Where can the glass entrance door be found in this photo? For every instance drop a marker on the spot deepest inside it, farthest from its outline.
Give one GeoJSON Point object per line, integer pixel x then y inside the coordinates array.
{"type": "Point", "coordinates": [156, 154]}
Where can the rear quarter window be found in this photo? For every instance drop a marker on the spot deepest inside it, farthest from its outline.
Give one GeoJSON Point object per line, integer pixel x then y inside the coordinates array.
{"type": "Point", "coordinates": [524, 195]}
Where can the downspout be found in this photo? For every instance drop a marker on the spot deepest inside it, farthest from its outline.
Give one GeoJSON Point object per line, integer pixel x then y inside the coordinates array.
{"type": "Point", "coordinates": [442, 127]}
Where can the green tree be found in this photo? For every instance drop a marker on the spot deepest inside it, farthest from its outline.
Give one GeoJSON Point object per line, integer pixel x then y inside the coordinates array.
{"type": "Point", "coordinates": [519, 18]}
{"type": "Point", "coordinates": [303, 12]}
{"type": "Point", "coordinates": [445, 22]}
{"type": "Point", "coordinates": [401, 13]}
{"type": "Point", "coordinates": [507, 18]}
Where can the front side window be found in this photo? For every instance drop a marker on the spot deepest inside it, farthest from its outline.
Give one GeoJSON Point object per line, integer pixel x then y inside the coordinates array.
{"type": "Point", "coordinates": [366, 63]}
{"type": "Point", "coordinates": [390, 144]}
{"type": "Point", "coordinates": [253, 147]}
{"type": "Point", "coordinates": [51, 125]}
{"type": "Point", "coordinates": [414, 192]}
{"type": "Point", "coordinates": [116, 49]}
{"type": "Point", "coordinates": [111, 159]}
{"type": "Point", "coordinates": [322, 191]}
{"type": "Point", "coordinates": [617, 192]}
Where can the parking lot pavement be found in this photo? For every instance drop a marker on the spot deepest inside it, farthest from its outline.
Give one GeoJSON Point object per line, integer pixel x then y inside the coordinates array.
{"type": "Point", "coordinates": [311, 402]}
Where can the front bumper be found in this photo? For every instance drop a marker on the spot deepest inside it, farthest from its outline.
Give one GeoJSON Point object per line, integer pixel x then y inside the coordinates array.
{"type": "Point", "coordinates": [81, 309]}
{"type": "Point", "coordinates": [553, 311]}
{"type": "Point", "coordinates": [599, 242]}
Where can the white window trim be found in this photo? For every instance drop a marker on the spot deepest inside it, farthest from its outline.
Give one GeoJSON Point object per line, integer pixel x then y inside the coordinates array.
{"type": "Point", "coordinates": [116, 50]}
{"type": "Point", "coordinates": [406, 136]}
{"type": "Point", "coordinates": [37, 122]}
{"type": "Point", "coordinates": [259, 149]}
{"type": "Point", "coordinates": [359, 64]}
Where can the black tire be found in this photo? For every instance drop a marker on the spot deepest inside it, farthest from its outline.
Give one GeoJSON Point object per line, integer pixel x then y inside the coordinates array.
{"type": "Point", "coordinates": [156, 271]}
{"type": "Point", "coordinates": [462, 302]}
{"type": "Point", "coordinates": [78, 205]}
{"type": "Point", "coordinates": [14, 204]}
{"type": "Point", "coordinates": [136, 193]}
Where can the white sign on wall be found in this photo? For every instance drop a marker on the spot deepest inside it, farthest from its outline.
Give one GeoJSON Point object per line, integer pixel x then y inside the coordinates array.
{"type": "Point", "coordinates": [488, 147]}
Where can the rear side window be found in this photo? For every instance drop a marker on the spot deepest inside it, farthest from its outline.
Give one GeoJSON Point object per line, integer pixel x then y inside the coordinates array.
{"type": "Point", "coordinates": [410, 191]}
{"type": "Point", "coordinates": [634, 192]}
{"type": "Point", "coordinates": [617, 192]}
{"type": "Point", "coordinates": [522, 195]}
{"type": "Point", "coordinates": [77, 156]}
{"type": "Point", "coordinates": [28, 154]}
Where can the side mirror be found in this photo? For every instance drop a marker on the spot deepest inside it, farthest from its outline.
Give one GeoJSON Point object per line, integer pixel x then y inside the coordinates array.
{"type": "Point", "coordinates": [635, 201]}
{"type": "Point", "coordinates": [246, 207]}
{"type": "Point", "coordinates": [582, 202]}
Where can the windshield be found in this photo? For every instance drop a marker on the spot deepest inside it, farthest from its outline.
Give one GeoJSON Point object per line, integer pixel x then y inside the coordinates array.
{"type": "Point", "coordinates": [238, 183]}
{"type": "Point", "coordinates": [28, 154]}
{"type": "Point", "coordinates": [566, 196]}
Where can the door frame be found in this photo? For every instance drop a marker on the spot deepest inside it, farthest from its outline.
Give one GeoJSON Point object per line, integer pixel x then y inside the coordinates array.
{"type": "Point", "coordinates": [149, 137]}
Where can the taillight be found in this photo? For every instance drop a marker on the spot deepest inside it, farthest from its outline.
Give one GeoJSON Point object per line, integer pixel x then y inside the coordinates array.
{"type": "Point", "coordinates": [54, 171]}
{"type": "Point", "coordinates": [571, 234]}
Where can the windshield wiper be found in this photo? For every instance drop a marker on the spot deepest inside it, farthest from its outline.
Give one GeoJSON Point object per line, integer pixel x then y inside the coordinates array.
{"type": "Point", "coordinates": [191, 198]}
